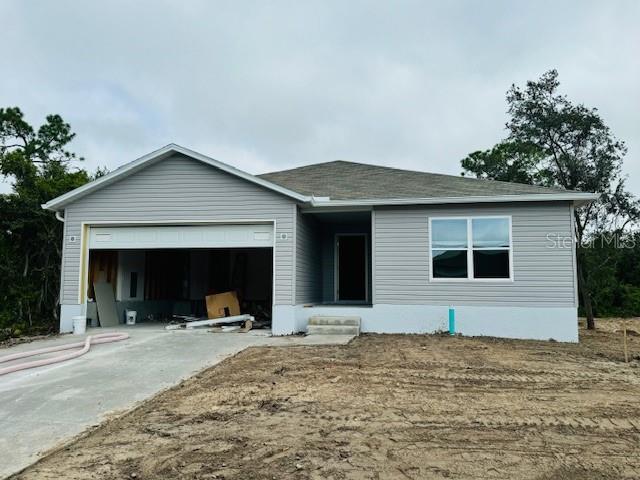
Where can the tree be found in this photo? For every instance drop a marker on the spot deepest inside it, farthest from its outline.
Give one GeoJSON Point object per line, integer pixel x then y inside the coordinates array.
{"type": "Point", "coordinates": [39, 165]}
{"type": "Point", "coordinates": [555, 143]}
{"type": "Point", "coordinates": [613, 263]}
{"type": "Point", "coordinates": [506, 162]}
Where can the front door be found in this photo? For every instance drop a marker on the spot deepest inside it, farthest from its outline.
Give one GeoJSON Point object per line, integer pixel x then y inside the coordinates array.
{"type": "Point", "coordinates": [351, 268]}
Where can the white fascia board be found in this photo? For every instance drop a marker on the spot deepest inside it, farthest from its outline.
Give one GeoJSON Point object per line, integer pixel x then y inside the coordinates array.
{"type": "Point", "coordinates": [577, 198]}
{"type": "Point", "coordinates": [130, 168]}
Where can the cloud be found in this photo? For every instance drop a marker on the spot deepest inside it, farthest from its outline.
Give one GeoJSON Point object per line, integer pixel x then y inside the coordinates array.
{"type": "Point", "coordinates": [271, 85]}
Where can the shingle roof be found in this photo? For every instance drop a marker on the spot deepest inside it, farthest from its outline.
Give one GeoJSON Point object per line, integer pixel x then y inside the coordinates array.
{"type": "Point", "coordinates": [343, 180]}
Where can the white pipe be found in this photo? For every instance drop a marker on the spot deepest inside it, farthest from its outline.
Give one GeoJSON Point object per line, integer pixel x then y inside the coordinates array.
{"type": "Point", "coordinates": [58, 217]}
{"type": "Point", "coordinates": [213, 321]}
{"type": "Point", "coordinates": [90, 340]}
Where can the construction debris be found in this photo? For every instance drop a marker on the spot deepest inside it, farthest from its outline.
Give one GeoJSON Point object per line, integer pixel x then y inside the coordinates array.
{"type": "Point", "coordinates": [223, 310]}
{"type": "Point", "coordinates": [222, 305]}
{"type": "Point", "coordinates": [231, 328]}
{"type": "Point", "coordinates": [237, 319]}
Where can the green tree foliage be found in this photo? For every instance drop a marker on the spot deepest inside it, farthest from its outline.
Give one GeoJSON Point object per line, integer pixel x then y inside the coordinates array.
{"type": "Point", "coordinates": [555, 143]}
{"type": "Point", "coordinates": [614, 265]}
{"type": "Point", "coordinates": [506, 162]}
{"type": "Point", "coordinates": [40, 168]}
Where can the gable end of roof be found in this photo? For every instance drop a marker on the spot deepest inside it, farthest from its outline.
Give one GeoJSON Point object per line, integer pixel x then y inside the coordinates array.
{"type": "Point", "coordinates": [132, 167]}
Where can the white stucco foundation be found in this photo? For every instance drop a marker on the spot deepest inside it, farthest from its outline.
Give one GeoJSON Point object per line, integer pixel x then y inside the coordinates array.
{"type": "Point", "coordinates": [540, 323]}
{"type": "Point", "coordinates": [67, 312]}
{"type": "Point", "coordinates": [285, 322]}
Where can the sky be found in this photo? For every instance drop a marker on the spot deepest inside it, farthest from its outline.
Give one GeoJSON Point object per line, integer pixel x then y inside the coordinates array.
{"type": "Point", "coordinates": [269, 85]}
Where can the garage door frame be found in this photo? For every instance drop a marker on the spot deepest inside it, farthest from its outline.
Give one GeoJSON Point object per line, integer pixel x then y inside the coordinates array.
{"type": "Point", "coordinates": [85, 231]}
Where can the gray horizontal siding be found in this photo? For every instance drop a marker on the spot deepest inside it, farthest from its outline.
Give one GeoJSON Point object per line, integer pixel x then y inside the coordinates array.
{"type": "Point", "coordinates": [308, 260]}
{"type": "Point", "coordinates": [179, 188]}
{"type": "Point", "coordinates": [542, 276]}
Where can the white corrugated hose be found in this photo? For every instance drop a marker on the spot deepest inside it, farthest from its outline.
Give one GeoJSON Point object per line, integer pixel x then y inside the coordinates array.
{"type": "Point", "coordinates": [83, 348]}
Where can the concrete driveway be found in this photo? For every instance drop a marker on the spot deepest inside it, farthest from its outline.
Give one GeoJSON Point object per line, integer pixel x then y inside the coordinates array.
{"type": "Point", "coordinates": [44, 407]}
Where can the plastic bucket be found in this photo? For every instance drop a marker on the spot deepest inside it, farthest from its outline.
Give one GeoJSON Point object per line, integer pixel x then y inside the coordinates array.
{"type": "Point", "coordinates": [79, 325]}
{"type": "Point", "coordinates": [131, 317]}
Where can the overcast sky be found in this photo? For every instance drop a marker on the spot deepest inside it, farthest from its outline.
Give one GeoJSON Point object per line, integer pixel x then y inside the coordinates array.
{"type": "Point", "coordinates": [270, 85]}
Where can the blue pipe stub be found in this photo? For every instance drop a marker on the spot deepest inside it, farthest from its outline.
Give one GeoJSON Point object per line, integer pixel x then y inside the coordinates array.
{"type": "Point", "coordinates": [452, 321]}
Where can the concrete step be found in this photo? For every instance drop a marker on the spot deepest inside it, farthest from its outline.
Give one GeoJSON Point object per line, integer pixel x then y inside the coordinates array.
{"type": "Point", "coordinates": [333, 330]}
{"type": "Point", "coordinates": [334, 320]}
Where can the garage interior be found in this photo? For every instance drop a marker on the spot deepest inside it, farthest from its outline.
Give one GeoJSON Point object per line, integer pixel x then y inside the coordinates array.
{"type": "Point", "coordinates": [162, 285]}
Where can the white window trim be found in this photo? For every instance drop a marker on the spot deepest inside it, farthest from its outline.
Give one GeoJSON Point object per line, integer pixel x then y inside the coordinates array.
{"type": "Point", "coordinates": [470, 250]}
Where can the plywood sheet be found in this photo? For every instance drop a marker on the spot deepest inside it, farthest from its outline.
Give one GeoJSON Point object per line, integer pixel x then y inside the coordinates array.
{"type": "Point", "coordinates": [222, 305]}
{"type": "Point", "coordinates": [106, 304]}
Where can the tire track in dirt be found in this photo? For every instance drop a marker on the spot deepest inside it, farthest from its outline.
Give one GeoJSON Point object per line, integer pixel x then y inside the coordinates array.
{"type": "Point", "coordinates": [470, 374]}
{"type": "Point", "coordinates": [587, 423]}
{"type": "Point", "coordinates": [607, 424]}
{"type": "Point", "coordinates": [525, 377]}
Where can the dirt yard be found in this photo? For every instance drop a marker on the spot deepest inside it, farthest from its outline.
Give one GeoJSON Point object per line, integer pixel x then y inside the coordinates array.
{"type": "Point", "coordinates": [383, 407]}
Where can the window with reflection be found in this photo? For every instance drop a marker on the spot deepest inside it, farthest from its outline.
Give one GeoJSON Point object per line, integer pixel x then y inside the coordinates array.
{"type": "Point", "coordinates": [471, 248]}
{"type": "Point", "coordinates": [449, 248]}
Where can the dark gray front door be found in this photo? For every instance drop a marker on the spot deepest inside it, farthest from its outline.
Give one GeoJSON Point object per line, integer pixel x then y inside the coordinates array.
{"type": "Point", "coordinates": [352, 268]}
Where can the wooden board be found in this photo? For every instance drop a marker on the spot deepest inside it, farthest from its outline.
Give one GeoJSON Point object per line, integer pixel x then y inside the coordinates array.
{"type": "Point", "coordinates": [106, 304]}
{"type": "Point", "coordinates": [222, 305]}
{"type": "Point", "coordinates": [103, 267]}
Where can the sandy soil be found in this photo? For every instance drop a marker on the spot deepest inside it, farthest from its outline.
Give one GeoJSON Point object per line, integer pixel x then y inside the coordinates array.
{"type": "Point", "coordinates": [383, 407]}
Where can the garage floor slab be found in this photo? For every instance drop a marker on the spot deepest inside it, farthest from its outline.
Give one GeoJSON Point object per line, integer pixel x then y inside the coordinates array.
{"type": "Point", "coordinates": [44, 407]}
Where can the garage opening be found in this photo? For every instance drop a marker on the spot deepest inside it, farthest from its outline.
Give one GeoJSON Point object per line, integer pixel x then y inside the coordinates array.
{"type": "Point", "coordinates": [165, 273]}
{"type": "Point", "coordinates": [168, 284]}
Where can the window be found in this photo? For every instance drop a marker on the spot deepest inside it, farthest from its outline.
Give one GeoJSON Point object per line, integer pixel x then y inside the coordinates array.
{"type": "Point", "coordinates": [476, 248]}
{"type": "Point", "coordinates": [449, 245]}
{"type": "Point", "coordinates": [491, 241]}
